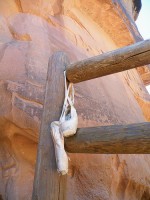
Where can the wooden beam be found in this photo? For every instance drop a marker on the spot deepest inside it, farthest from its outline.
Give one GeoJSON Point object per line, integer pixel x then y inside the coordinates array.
{"type": "Point", "coordinates": [111, 62]}
{"type": "Point", "coordinates": [116, 139]}
{"type": "Point", "coordinates": [48, 185]}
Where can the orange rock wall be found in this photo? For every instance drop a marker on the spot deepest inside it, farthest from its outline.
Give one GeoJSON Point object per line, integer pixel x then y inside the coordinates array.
{"type": "Point", "coordinates": [30, 32]}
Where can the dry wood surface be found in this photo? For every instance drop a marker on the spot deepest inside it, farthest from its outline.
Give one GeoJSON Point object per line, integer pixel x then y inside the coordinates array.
{"type": "Point", "coordinates": [115, 139]}
{"type": "Point", "coordinates": [111, 62]}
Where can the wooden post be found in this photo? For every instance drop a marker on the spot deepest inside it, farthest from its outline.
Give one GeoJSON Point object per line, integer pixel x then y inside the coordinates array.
{"type": "Point", "coordinates": [48, 185]}
{"type": "Point", "coordinates": [111, 62]}
{"type": "Point", "coordinates": [116, 139]}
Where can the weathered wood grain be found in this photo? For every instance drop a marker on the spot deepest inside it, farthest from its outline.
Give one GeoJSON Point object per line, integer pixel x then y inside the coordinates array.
{"type": "Point", "coordinates": [111, 62]}
{"type": "Point", "coordinates": [115, 139]}
{"type": "Point", "coordinates": [48, 185]}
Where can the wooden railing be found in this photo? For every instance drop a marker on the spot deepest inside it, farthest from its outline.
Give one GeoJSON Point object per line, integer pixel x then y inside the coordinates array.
{"type": "Point", "coordinates": [48, 185]}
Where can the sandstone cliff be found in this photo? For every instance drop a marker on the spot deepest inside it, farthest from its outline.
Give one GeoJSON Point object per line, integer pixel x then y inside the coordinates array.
{"type": "Point", "coordinates": [30, 32]}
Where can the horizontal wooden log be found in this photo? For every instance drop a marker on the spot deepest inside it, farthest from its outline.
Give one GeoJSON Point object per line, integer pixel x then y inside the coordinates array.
{"type": "Point", "coordinates": [115, 139]}
{"type": "Point", "coordinates": [111, 62]}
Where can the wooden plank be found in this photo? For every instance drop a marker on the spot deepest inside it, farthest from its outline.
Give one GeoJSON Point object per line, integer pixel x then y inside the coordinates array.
{"type": "Point", "coordinates": [111, 62]}
{"type": "Point", "coordinates": [48, 185]}
{"type": "Point", "coordinates": [116, 139]}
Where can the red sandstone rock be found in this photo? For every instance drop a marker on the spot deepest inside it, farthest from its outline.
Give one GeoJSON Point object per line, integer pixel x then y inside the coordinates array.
{"type": "Point", "coordinates": [31, 31]}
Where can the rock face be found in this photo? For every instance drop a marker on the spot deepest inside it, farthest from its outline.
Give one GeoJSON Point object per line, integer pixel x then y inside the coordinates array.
{"type": "Point", "coordinates": [137, 4]}
{"type": "Point", "coordinates": [30, 32]}
{"type": "Point", "coordinates": [133, 7]}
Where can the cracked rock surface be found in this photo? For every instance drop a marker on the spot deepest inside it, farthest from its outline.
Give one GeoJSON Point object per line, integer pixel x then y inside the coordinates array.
{"type": "Point", "coordinates": [30, 32]}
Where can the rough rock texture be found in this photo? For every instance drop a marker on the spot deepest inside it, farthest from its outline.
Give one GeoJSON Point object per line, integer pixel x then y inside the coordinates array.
{"type": "Point", "coordinates": [145, 74]}
{"type": "Point", "coordinates": [137, 4]}
{"type": "Point", "coordinates": [30, 32]}
{"type": "Point", "coordinates": [133, 7]}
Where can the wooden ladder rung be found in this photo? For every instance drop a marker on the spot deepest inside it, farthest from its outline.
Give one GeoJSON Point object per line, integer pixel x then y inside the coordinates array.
{"type": "Point", "coordinates": [111, 62]}
{"type": "Point", "coordinates": [115, 139]}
